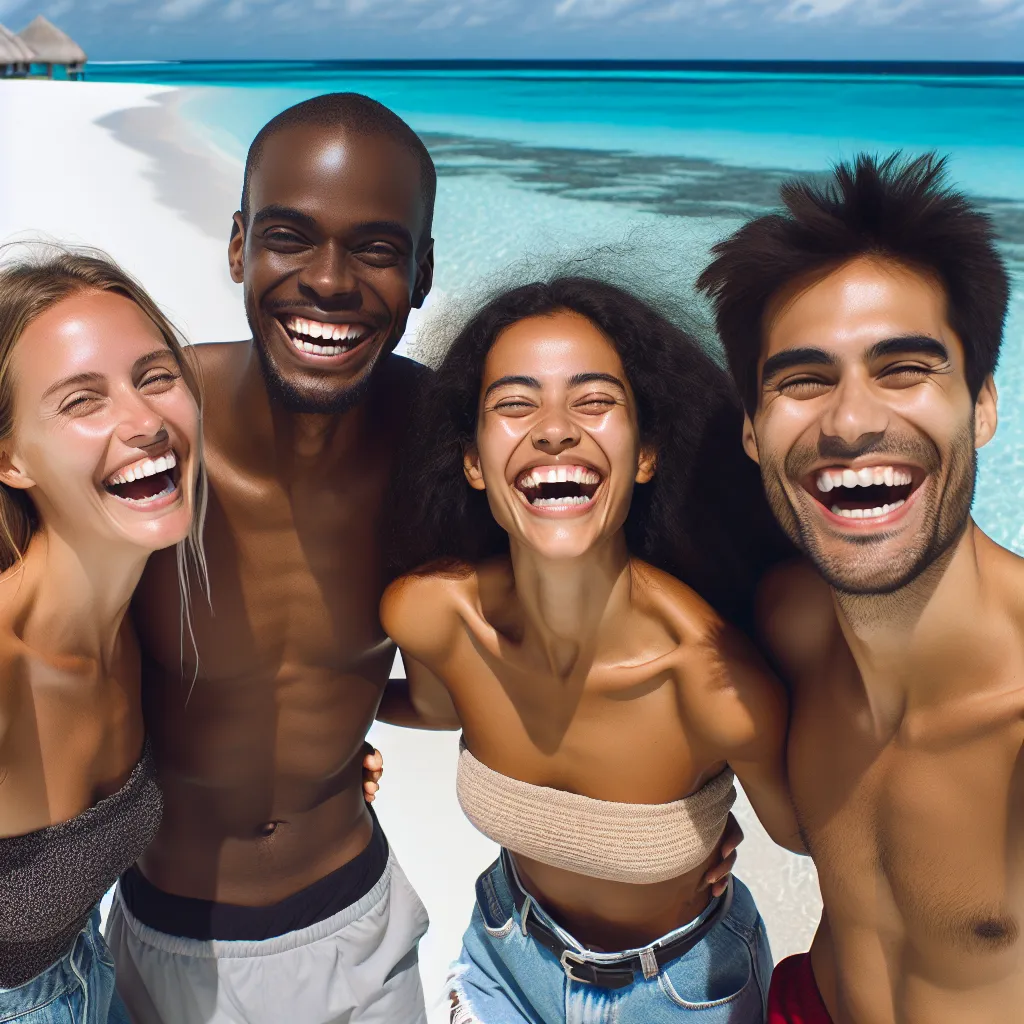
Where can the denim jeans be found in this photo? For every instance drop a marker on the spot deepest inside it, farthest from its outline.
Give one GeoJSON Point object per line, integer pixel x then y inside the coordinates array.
{"type": "Point", "coordinates": [77, 989]}
{"type": "Point", "coordinates": [504, 976]}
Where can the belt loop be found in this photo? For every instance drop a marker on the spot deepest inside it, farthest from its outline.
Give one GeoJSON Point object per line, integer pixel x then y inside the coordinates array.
{"type": "Point", "coordinates": [524, 913]}
{"type": "Point", "coordinates": [649, 963]}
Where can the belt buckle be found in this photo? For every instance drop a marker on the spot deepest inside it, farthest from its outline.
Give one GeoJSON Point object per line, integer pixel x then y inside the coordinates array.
{"type": "Point", "coordinates": [568, 967]}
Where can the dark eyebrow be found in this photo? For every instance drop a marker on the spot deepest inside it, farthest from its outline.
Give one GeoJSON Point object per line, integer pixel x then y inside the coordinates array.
{"type": "Point", "coordinates": [371, 227]}
{"type": "Point", "coordinates": [385, 227]}
{"type": "Point", "coordinates": [907, 345]}
{"type": "Point", "coordinates": [775, 364]}
{"type": "Point", "coordinates": [92, 378]}
{"type": "Point", "coordinates": [593, 378]}
{"type": "Point", "coordinates": [504, 382]}
{"type": "Point", "coordinates": [277, 212]}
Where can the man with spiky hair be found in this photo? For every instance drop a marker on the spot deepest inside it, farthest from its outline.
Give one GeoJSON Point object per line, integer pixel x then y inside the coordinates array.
{"type": "Point", "coordinates": [862, 325]}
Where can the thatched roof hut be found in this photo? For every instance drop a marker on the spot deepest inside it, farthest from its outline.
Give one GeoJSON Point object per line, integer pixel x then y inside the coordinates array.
{"type": "Point", "coordinates": [51, 46]}
{"type": "Point", "coordinates": [15, 54]}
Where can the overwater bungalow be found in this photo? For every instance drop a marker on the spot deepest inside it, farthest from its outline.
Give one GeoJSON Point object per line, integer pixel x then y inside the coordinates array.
{"type": "Point", "coordinates": [53, 48]}
{"type": "Point", "coordinates": [16, 56]}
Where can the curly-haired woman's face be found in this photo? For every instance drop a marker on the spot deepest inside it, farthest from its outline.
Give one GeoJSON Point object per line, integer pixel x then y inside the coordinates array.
{"type": "Point", "coordinates": [557, 447]}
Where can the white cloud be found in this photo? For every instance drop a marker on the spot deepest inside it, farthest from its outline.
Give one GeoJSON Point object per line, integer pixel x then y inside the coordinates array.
{"type": "Point", "coordinates": [560, 22]}
{"type": "Point", "coordinates": [176, 10]}
{"type": "Point", "coordinates": [592, 8]}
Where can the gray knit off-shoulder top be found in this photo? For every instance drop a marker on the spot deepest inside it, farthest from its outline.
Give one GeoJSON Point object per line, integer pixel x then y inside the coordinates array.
{"type": "Point", "coordinates": [52, 878]}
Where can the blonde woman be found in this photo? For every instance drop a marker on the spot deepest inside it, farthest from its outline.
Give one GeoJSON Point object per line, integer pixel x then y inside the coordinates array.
{"type": "Point", "coordinates": [100, 465]}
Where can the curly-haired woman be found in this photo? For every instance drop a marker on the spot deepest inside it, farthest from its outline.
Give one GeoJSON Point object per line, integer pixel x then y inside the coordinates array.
{"type": "Point", "coordinates": [580, 519]}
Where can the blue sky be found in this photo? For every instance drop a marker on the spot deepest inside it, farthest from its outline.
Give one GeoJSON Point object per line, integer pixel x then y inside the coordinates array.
{"type": "Point", "coordinates": [655, 29]}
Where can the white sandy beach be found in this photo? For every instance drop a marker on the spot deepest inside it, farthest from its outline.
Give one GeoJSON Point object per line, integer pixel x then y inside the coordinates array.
{"type": "Point", "coordinates": [161, 205]}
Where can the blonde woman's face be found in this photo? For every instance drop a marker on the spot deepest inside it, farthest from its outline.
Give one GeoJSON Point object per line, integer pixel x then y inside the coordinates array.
{"type": "Point", "coordinates": [106, 433]}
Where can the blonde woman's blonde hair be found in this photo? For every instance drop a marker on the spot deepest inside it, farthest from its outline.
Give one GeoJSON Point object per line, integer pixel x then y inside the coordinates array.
{"type": "Point", "coordinates": [29, 286]}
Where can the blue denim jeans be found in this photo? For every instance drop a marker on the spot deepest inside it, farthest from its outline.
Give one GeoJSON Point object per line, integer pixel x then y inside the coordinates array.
{"type": "Point", "coordinates": [504, 976]}
{"type": "Point", "coordinates": [78, 989]}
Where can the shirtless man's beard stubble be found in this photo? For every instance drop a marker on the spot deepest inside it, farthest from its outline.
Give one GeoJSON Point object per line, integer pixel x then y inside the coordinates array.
{"type": "Point", "coordinates": [266, 839]}
{"type": "Point", "coordinates": [905, 655]}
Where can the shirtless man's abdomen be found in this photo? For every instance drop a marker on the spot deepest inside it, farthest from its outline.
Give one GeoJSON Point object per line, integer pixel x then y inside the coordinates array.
{"type": "Point", "coordinates": [261, 764]}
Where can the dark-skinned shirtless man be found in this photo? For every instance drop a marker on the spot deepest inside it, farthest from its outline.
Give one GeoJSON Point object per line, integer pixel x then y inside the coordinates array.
{"type": "Point", "coordinates": [863, 325]}
{"type": "Point", "coordinates": [270, 894]}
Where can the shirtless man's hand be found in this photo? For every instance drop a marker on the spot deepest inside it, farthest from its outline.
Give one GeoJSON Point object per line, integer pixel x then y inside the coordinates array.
{"type": "Point", "coordinates": [869, 389]}
{"type": "Point", "coordinates": [260, 742]}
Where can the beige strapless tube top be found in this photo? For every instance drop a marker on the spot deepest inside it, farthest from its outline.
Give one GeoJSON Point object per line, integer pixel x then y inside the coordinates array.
{"type": "Point", "coordinates": [639, 843]}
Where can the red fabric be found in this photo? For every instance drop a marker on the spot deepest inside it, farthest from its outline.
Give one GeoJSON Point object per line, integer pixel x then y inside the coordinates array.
{"type": "Point", "coordinates": [793, 997]}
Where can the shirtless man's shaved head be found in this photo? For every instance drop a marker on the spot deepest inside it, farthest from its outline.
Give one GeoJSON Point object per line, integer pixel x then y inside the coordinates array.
{"type": "Point", "coordinates": [270, 893]}
{"type": "Point", "coordinates": [863, 325]}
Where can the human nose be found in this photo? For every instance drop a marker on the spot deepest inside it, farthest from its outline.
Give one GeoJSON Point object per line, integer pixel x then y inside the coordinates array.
{"type": "Point", "coordinates": [328, 279]}
{"type": "Point", "coordinates": [139, 424]}
{"type": "Point", "coordinates": [554, 434]}
{"type": "Point", "coordinates": [854, 413]}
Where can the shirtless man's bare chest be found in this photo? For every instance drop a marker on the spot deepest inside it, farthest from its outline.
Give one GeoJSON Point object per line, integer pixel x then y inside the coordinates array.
{"type": "Point", "coordinates": [914, 815]}
{"type": "Point", "coordinates": [260, 747]}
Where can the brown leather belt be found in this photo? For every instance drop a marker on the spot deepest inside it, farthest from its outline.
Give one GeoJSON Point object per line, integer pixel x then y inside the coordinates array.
{"type": "Point", "coordinates": [620, 972]}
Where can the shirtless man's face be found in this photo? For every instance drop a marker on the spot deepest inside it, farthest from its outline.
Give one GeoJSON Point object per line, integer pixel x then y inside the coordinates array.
{"type": "Point", "coordinates": [558, 447]}
{"type": "Point", "coordinates": [106, 433]}
{"type": "Point", "coordinates": [865, 429]}
{"type": "Point", "coordinates": [332, 260]}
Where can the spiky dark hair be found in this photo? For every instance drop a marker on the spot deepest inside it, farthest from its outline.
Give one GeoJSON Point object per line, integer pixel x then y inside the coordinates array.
{"type": "Point", "coordinates": [898, 209]}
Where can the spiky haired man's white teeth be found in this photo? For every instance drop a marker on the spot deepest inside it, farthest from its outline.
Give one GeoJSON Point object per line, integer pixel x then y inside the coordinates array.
{"type": "Point", "coordinates": [869, 476]}
{"type": "Point", "coordinates": [867, 513]}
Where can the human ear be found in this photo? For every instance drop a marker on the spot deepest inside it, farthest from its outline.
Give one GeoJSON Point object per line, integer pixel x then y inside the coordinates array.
{"type": "Point", "coordinates": [424, 276]}
{"type": "Point", "coordinates": [986, 418]}
{"type": "Point", "coordinates": [646, 466]}
{"type": "Point", "coordinates": [236, 249]}
{"type": "Point", "coordinates": [750, 439]}
{"type": "Point", "coordinates": [471, 467]}
{"type": "Point", "coordinates": [12, 473]}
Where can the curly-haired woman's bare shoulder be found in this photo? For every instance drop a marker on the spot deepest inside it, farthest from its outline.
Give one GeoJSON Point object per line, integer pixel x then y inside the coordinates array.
{"type": "Point", "coordinates": [685, 612]}
{"type": "Point", "coordinates": [421, 611]}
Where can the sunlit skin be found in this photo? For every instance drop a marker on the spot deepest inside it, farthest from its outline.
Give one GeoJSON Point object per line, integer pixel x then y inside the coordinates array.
{"type": "Point", "coordinates": [261, 768]}
{"type": "Point", "coordinates": [96, 389]}
{"type": "Point", "coordinates": [907, 718]}
{"type": "Point", "coordinates": [562, 661]}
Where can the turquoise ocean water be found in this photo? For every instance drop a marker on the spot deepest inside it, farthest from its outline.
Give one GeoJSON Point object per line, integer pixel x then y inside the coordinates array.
{"type": "Point", "coordinates": [545, 158]}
